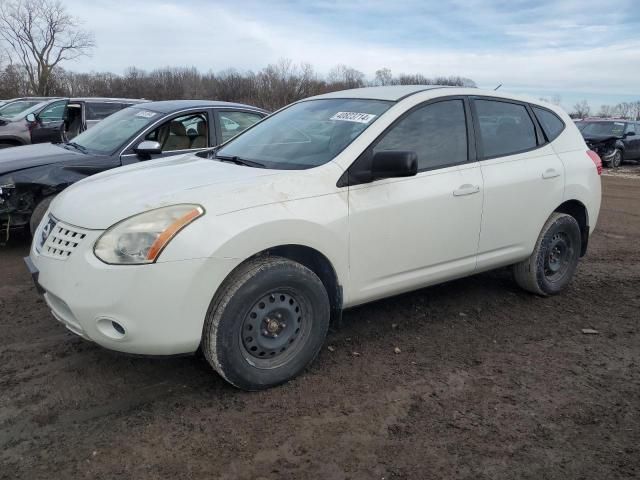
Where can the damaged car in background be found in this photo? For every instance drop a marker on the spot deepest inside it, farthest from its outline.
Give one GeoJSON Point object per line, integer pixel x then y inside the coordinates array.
{"type": "Point", "coordinates": [32, 175]}
{"type": "Point", "coordinates": [614, 140]}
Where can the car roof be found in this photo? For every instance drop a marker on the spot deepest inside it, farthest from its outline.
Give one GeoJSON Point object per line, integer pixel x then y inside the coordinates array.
{"type": "Point", "coordinates": [392, 93]}
{"type": "Point", "coordinates": [107, 99]}
{"type": "Point", "coordinates": [396, 93]}
{"type": "Point", "coordinates": [169, 106]}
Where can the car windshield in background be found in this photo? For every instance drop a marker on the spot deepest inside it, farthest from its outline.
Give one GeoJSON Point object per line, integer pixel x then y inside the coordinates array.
{"type": "Point", "coordinates": [603, 128]}
{"type": "Point", "coordinates": [14, 109]}
{"type": "Point", "coordinates": [305, 135]}
{"type": "Point", "coordinates": [109, 135]}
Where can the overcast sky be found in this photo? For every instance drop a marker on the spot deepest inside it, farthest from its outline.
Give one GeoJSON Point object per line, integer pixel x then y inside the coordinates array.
{"type": "Point", "coordinates": [572, 48]}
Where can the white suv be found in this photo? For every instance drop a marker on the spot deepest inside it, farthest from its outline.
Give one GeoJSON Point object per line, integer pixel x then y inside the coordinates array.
{"type": "Point", "coordinates": [250, 250]}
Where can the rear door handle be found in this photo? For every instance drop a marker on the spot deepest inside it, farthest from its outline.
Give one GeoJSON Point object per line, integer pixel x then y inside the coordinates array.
{"type": "Point", "coordinates": [550, 173]}
{"type": "Point", "coordinates": [466, 189]}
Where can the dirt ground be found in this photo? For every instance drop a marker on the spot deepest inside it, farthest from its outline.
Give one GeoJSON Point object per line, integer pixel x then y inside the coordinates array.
{"type": "Point", "coordinates": [491, 383]}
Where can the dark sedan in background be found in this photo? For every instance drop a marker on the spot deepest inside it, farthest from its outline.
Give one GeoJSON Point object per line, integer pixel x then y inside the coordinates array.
{"type": "Point", "coordinates": [30, 176]}
{"type": "Point", "coordinates": [614, 140]}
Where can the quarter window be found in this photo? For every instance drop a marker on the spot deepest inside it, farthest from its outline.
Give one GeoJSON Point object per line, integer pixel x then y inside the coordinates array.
{"type": "Point", "coordinates": [505, 128]}
{"type": "Point", "coordinates": [437, 133]}
{"type": "Point", "coordinates": [550, 122]}
{"type": "Point", "coordinates": [232, 123]}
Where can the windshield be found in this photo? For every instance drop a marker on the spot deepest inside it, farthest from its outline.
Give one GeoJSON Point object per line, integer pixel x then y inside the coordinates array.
{"type": "Point", "coordinates": [14, 109]}
{"type": "Point", "coordinates": [112, 132]}
{"type": "Point", "coordinates": [603, 128]}
{"type": "Point", "coordinates": [305, 135]}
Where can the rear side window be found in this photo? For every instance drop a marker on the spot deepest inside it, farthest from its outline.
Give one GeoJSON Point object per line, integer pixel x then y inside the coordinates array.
{"type": "Point", "coordinates": [551, 124]}
{"type": "Point", "coordinates": [100, 111]}
{"type": "Point", "coordinates": [436, 132]}
{"type": "Point", "coordinates": [505, 128]}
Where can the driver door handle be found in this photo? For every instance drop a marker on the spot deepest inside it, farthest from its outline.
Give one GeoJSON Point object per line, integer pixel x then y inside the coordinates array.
{"type": "Point", "coordinates": [550, 173]}
{"type": "Point", "coordinates": [466, 189]}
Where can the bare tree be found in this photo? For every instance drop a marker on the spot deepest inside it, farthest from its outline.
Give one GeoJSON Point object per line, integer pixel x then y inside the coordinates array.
{"type": "Point", "coordinates": [384, 77]}
{"type": "Point", "coordinates": [582, 109]}
{"type": "Point", "coordinates": [623, 109]}
{"type": "Point", "coordinates": [42, 35]}
{"type": "Point", "coordinates": [346, 77]}
{"type": "Point", "coordinates": [606, 111]}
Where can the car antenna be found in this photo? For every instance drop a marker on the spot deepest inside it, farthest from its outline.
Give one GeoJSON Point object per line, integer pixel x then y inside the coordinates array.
{"type": "Point", "coordinates": [497, 87]}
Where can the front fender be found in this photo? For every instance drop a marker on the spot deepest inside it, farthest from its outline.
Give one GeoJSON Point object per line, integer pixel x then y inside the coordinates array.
{"type": "Point", "coordinates": [240, 235]}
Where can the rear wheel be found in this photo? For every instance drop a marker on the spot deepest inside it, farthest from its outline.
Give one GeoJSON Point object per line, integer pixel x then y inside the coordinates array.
{"type": "Point", "coordinates": [555, 257]}
{"type": "Point", "coordinates": [38, 213]}
{"type": "Point", "coordinates": [6, 145]}
{"type": "Point", "coordinates": [266, 324]}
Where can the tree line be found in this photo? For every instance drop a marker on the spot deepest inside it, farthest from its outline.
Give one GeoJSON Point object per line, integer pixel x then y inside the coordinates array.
{"type": "Point", "coordinates": [627, 110]}
{"type": "Point", "coordinates": [272, 87]}
{"type": "Point", "coordinates": [39, 35]}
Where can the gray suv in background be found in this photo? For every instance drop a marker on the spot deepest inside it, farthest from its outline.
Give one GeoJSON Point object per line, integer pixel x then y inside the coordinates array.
{"type": "Point", "coordinates": [38, 120]}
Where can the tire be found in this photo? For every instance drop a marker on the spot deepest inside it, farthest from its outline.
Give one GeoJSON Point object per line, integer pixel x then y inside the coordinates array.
{"type": "Point", "coordinates": [38, 213]}
{"type": "Point", "coordinates": [617, 159]}
{"type": "Point", "coordinates": [266, 323]}
{"type": "Point", "coordinates": [6, 145]}
{"type": "Point", "coordinates": [555, 257]}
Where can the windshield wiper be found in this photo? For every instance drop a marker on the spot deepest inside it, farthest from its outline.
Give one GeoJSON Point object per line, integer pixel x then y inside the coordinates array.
{"type": "Point", "coordinates": [77, 146]}
{"type": "Point", "coordinates": [240, 161]}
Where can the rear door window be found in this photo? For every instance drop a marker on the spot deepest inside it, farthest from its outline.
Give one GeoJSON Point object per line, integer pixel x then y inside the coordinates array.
{"type": "Point", "coordinates": [437, 132]}
{"type": "Point", "coordinates": [550, 122]}
{"type": "Point", "coordinates": [505, 128]}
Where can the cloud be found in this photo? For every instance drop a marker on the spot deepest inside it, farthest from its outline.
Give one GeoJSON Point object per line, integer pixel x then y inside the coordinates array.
{"type": "Point", "coordinates": [572, 47]}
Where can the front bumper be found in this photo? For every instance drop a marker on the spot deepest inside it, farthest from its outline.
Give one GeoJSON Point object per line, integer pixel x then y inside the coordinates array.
{"type": "Point", "coordinates": [160, 307]}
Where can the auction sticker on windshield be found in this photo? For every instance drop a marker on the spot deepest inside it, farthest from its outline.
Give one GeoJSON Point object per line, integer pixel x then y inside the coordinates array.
{"type": "Point", "coordinates": [353, 117]}
{"type": "Point", "coordinates": [146, 114]}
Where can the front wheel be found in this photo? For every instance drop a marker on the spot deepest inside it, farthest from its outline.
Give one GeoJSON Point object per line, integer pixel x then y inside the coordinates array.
{"type": "Point", "coordinates": [616, 160]}
{"type": "Point", "coordinates": [38, 213]}
{"type": "Point", "coordinates": [266, 323]}
{"type": "Point", "coordinates": [554, 260]}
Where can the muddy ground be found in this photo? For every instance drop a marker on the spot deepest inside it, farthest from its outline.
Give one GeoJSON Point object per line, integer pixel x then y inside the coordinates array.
{"type": "Point", "coordinates": [491, 383]}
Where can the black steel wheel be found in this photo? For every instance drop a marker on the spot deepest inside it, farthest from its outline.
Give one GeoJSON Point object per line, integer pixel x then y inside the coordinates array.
{"type": "Point", "coordinates": [266, 323]}
{"type": "Point", "coordinates": [555, 257]}
{"type": "Point", "coordinates": [274, 329]}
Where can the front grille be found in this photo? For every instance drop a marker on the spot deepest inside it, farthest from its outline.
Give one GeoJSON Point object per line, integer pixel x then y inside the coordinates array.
{"type": "Point", "coordinates": [62, 241]}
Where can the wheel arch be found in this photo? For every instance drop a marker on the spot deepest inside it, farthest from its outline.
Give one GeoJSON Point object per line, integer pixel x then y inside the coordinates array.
{"type": "Point", "coordinates": [579, 211]}
{"type": "Point", "coordinates": [315, 261]}
{"type": "Point", "coordinates": [15, 141]}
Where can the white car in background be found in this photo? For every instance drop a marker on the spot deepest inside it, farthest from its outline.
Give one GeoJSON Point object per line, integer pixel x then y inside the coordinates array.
{"type": "Point", "coordinates": [250, 250]}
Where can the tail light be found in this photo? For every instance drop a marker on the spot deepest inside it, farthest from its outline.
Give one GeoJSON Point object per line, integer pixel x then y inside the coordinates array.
{"type": "Point", "coordinates": [596, 160]}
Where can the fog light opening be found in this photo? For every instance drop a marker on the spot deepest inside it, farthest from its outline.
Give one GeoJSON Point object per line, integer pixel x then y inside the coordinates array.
{"type": "Point", "coordinates": [117, 327]}
{"type": "Point", "coordinates": [111, 328]}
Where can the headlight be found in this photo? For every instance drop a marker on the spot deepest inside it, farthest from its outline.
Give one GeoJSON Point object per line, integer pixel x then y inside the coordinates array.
{"type": "Point", "coordinates": [141, 238]}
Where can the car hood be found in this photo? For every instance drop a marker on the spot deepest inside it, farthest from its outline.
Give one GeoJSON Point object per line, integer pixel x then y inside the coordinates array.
{"type": "Point", "coordinates": [19, 158]}
{"type": "Point", "coordinates": [600, 138]}
{"type": "Point", "coordinates": [99, 201]}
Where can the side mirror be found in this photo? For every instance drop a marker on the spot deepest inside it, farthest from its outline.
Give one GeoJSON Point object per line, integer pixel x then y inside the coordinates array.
{"type": "Point", "coordinates": [148, 147]}
{"type": "Point", "coordinates": [629, 134]}
{"type": "Point", "coordinates": [31, 118]}
{"type": "Point", "coordinates": [393, 164]}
